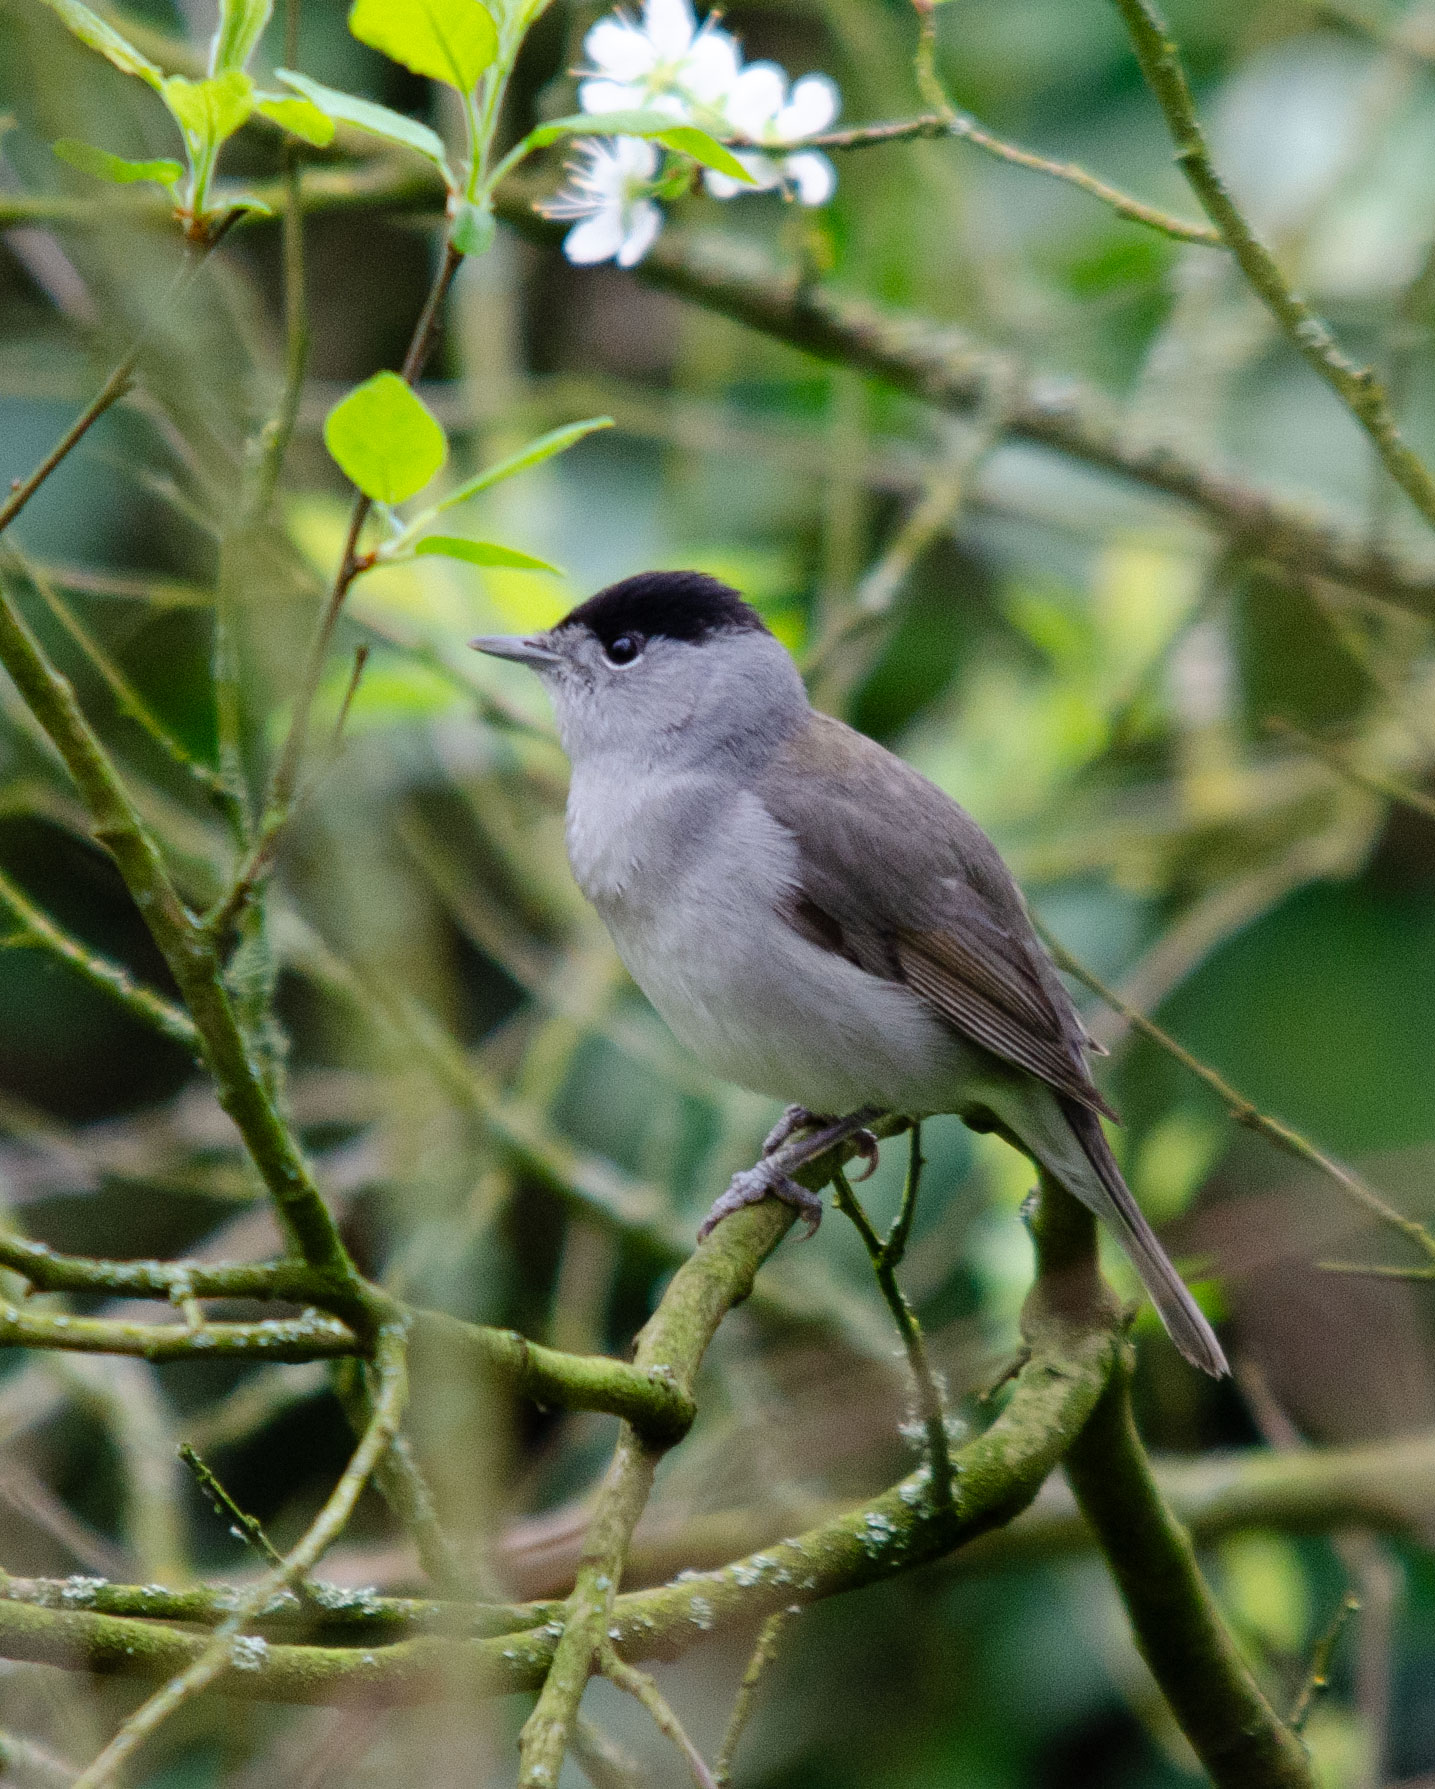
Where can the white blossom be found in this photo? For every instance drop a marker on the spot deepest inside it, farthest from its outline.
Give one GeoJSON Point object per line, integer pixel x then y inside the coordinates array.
{"type": "Point", "coordinates": [759, 107]}
{"type": "Point", "coordinates": [608, 194]}
{"type": "Point", "coordinates": [666, 63]}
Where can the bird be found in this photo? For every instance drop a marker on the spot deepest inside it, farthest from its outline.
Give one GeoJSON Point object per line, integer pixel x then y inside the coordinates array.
{"type": "Point", "coordinates": [811, 917]}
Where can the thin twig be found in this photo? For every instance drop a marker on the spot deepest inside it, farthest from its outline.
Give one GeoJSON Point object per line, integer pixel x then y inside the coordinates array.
{"type": "Point", "coordinates": [284, 782]}
{"type": "Point", "coordinates": [886, 1256]}
{"type": "Point", "coordinates": [966, 129]}
{"type": "Point", "coordinates": [229, 1648]}
{"type": "Point", "coordinates": [40, 930]}
{"type": "Point", "coordinates": [114, 388]}
{"type": "Point", "coordinates": [1373, 782]}
{"type": "Point", "coordinates": [243, 1526]}
{"type": "Point", "coordinates": [120, 381]}
{"type": "Point", "coordinates": [1356, 386]}
{"type": "Point", "coordinates": [639, 1685]}
{"type": "Point", "coordinates": [762, 1656]}
{"type": "Point", "coordinates": [1318, 1678]}
{"type": "Point", "coordinates": [127, 697]}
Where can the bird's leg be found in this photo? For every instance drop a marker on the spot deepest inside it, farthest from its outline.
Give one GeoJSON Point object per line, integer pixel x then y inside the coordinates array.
{"type": "Point", "coordinates": [773, 1174]}
{"type": "Point", "coordinates": [794, 1119]}
{"type": "Point", "coordinates": [798, 1118]}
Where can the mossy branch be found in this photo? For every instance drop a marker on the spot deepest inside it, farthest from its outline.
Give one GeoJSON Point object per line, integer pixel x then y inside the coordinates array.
{"type": "Point", "coordinates": [995, 1476]}
{"type": "Point", "coordinates": [189, 953]}
{"type": "Point", "coordinates": [650, 1399]}
{"type": "Point", "coordinates": [1237, 1735]}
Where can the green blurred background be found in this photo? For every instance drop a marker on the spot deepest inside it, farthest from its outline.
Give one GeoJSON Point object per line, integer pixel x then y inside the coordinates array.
{"type": "Point", "coordinates": [1081, 663]}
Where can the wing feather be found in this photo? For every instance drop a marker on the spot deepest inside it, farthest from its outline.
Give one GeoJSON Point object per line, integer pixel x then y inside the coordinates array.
{"type": "Point", "coordinates": [951, 923]}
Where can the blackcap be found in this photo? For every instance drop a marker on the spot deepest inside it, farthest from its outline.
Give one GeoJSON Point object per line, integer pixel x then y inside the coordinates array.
{"type": "Point", "coordinates": [812, 917]}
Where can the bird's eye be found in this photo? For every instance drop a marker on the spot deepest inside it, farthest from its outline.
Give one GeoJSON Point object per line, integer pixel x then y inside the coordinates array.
{"type": "Point", "coordinates": [624, 649]}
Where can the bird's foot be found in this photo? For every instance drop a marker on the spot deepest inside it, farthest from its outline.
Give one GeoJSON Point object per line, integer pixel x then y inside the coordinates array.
{"type": "Point", "coordinates": [798, 1118]}
{"type": "Point", "coordinates": [773, 1174]}
{"type": "Point", "coordinates": [794, 1119]}
{"type": "Point", "coordinates": [755, 1184]}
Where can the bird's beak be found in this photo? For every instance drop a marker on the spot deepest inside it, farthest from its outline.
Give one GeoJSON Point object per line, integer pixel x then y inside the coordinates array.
{"type": "Point", "coordinates": [536, 651]}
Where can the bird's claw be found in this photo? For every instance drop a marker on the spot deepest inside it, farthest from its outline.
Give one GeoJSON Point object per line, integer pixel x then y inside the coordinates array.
{"type": "Point", "coordinates": [865, 1143]}
{"type": "Point", "coordinates": [755, 1184]}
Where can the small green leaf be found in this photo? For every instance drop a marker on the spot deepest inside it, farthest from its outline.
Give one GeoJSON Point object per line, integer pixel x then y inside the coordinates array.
{"type": "Point", "coordinates": [482, 552]}
{"type": "Point", "coordinates": [687, 139]}
{"type": "Point", "coordinates": [364, 114]}
{"type": "Point", "coordinates": [473, 228]}
{"type": "Point", "coordinates": [602, 124]}
{"type": "Point", "coordinates": [300, 117]}
{"type": "Point", "coordinates": [449, 40]}
{"type": "Point", "coordinates": [209, 111]}
{"type": "Point", "coordinates": [241, 25]}
{"type": "Point", "coordinates": [384, 438]}
{"type": "Point", "coordinates": [544, 448]}
{"type": "Point", "coordinates": [90, 28]}
{"type": "Point", "coordinates": [116, 168]}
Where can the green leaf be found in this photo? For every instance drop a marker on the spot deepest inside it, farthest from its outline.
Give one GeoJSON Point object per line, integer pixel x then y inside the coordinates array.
{"type": "Point", "coordinates": [116, 168]}
{"type": "Point", "coordinates": [300, 117]}
{"type": "Point", "coordinates": [544, 448]}
{"type": "Point", "coordinates": [384, 438]}
{"type": "Point", "coordinates": [602, 124]}
{"type": "Point", "coordinates": [90, 28]}
{"type": "Point", "coordinates": [473, 228]}
{"type": "Point", "coordinates": [687, 139]}
{"type": "Point", "coordinates": [212, 110]}
{"type": "Point", "coordinates": [364, 114]}
{"type": "Point", "coordinates": [449, 40]}
{"type": "Point", "coordinates": [241, 25]}
{"type": "Point", "coordinates": [482, 552]}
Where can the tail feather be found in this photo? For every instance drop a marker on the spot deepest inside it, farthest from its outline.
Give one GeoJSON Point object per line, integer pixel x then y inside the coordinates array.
{"type": "Point", "coordinates": [1110, 1198]}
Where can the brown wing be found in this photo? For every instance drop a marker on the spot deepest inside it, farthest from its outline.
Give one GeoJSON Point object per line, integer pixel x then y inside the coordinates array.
{"type": "Point", "coordinates": [900, 880]}
{"type": "Point", "coordinates": [995, 1011]}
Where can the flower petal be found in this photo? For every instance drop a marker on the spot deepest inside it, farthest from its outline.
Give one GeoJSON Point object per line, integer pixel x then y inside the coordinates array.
{"type": "Point", "coordinates": [812, 105]}
{"type": "Point", "coordinates": [765, 175]}
{"type": "Point", "coordinates": [813, 176]}
{"type": "Point", "coordinates": [643, 223]}
{"type": "Point", "coordinates": [710, 67]}
{"type": "Point", "coordinates": [636, 157]}
{"type": "Point", "coordinates": [597, 238]}
{"type": "Point", "coordinates": [755, 98]}
{"type": "Point", "coordinates": [611, 96]}
{"type": "Point", "coordinates": [670, 27]}
{"type": "Point", "coordinates": [619, 50]}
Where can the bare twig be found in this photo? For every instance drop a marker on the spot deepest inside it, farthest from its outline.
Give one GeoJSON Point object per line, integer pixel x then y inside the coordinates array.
{"type": "Point", "coordinates": [1389, 788]}
{"type": "Point", "coordinates": [952, 123]}
{"type": "Point", "coordinates": [230, 1648]}
{"type": "Point", "coordinates": [762, 1656]}
{"type": "Point", "coordinates": [886, 1257]}
{"type": "Point", "coordinates": [244, 1527]}
{"type": "Point", "coordinates": [642, 1687]}
{"type": "Point", "coordinates": [1318, 1678]}
{"type": "Point", "coordinates": [1356, 386]}
{"type": "Point", "coordinates": [38, 929]}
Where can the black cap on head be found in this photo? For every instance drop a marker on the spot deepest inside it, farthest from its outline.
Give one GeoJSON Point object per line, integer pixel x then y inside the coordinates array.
{"type": "Point", "coordinates": [678, 605]}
